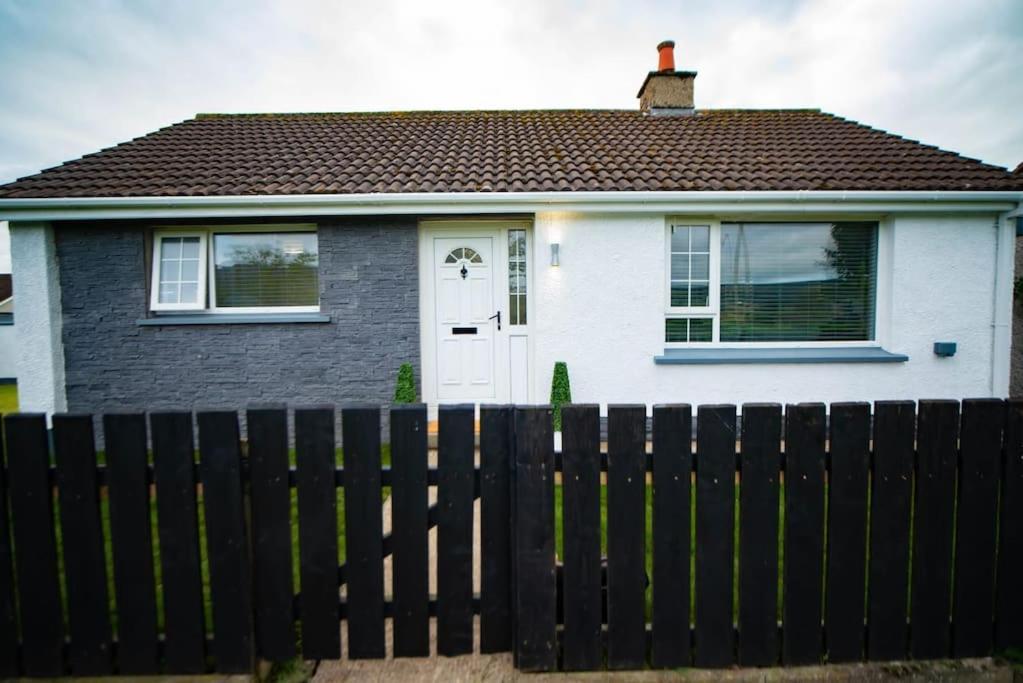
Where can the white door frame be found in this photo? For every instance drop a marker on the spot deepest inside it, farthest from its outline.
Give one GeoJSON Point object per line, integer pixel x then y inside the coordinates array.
{"type": "Point", "coordinates": [430, 229]}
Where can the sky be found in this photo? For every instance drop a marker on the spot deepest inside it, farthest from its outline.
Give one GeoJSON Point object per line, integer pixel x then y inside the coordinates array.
{"type": "Point", "coordinates": [80, 75]}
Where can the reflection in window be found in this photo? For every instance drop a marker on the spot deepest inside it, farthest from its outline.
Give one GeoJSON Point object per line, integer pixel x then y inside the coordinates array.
{"type": "Point", "coordinates": [690, 266]}
{"type": "Point", "coordinates": [798, 282]}
{"type": "Point", "coordinates": [266, 269]}
{"type": "Point", "coordinates": [517, 277]}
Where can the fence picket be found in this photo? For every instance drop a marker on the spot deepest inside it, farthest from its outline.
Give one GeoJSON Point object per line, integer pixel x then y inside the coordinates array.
{"type": "Point", "coordinates": [454, 530]}
{"type": "Point", "coordinates": [582, 599]}
{"type": "Point", "coordinates": [673, 465]}
{"type": "Point", "coordinates": [715, 526]}
{"type": "Point", "coordinates": [1009, 603]}
{"type": "Point", "coordinates": [758, 534]}
{"type": "Point", "coordinates": [85, 575]}
{"type": "Point", "coordinates": [937, 430]}
{"type": "Point", "coordinates": [535, 605]}
{"type": "Point", "coordinates": [409, 531]}
{"type": "Point", "coordinates": [8, 611]}
{"type": "Point", "coordinates": [626, 536]}
{"type": "Point", "coordinates": [273, 582]}
{"type": "Point", "coordinates": [847, 531]}
{"type": "Point", "coordinates": [890, 503]}
{"type": "Point", "coordinates": [226, 543]}
{"type": "Point", "coordinates": [804, 532]}
{"type": "Point", "coordinates": [976, 533]}
{"type": "Point", "coordinates": [943, 485]}
{"type": "Point", "coordinates": [131, 537]}
{"type": "Point", "coordinates": [360, 433]}
{"type": "Point", "coordinates": [177, 520]}
{"type": "Point", "coordinates": [42, 627]}
{"type": "Point", "coordinates": [317, 533]}
{"type": "Point", "coordinates": [495, 528]}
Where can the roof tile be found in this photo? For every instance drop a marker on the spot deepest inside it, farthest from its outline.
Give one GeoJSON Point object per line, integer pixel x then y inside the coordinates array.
{"type": "Point", "coordinates": [512, 151]}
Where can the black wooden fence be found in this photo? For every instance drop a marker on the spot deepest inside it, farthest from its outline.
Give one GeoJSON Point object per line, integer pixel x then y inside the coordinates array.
{"type": "Point", "coordinates": [901, 537]}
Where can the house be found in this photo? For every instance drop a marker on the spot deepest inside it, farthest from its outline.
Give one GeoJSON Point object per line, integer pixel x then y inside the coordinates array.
{"type": "Point", "coordinates": [667, 254]}
{"type": "Point", "coordinates": [8, 347]}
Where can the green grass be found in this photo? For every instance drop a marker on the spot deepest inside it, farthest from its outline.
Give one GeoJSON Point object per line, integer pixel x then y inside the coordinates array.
{"type": "Point", "coordinates": [8, 398]}
{"type": "Point", "coordinates": [649, 545]}
{"type": "Point", "coordinates": [104, 512]}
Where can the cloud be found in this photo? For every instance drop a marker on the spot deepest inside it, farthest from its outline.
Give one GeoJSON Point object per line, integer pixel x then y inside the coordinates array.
{"type": "Point", "coordinates": [82, 76]}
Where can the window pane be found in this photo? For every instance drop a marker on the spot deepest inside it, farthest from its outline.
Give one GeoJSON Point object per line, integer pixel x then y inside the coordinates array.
{"type": "Point", "coordinates": [675, 329]}
{"type": "Point", "coordinates": [679, 294]}
{"type": "Point", "coordinates": [701, 329]}
{"type": "Point", "coordinates": [169, 293]}
{"type": "Point", "coordinates": [798, 281]}
{"type": "Point", "coordinates": [179, 264]}
{"type": "Point", "coordinates": [699, 294]}
{"type": "Point", "coordinates": [170, 248]}
{"type": "Point", "coordinates": [700, 269]}
{"type": "Point", "coordinates": [680, 267]}
{"type": "Point", "coordinates": [190, 270]}
{"type": "Point", "coordinates": [688, 330]}
{"type": "Point", "coordinates": [690, 261]}
{"type": "Point", "coordinates": [266, 269]}
{"type": "Point", "coordinates": [516, 277]}
{"type": "Point", "coordinates": [680, 238]}
{"type": "Point", "coordinates": [701, 238]}
{"type": "Point", "coordinates": [190, 247]}
{"type": "Point", "coordinates": [189, 293]}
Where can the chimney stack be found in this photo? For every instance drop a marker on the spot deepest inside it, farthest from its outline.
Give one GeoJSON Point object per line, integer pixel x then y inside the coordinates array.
{"type": "Point", "coordinates": [666, 91]}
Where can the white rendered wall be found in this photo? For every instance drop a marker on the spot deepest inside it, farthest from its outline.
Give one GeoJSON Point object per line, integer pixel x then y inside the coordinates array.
{"type": "Point", "coordinates": [602, 312]}
{"type": "Point", "coordinates": [38, 321]}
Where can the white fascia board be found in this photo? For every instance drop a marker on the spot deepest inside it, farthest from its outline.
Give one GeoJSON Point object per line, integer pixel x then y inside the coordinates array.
{"type": "Point", "coordinates": [103, 208]}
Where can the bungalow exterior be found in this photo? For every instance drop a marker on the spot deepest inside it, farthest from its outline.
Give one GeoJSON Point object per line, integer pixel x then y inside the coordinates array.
{"type": "Point", "coordinates": [668, 254]}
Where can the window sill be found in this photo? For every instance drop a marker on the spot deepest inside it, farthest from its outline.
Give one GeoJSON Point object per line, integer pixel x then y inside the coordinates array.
{"type": "Point", "coordinates": [720, 356]}
{"type": "Point", "coordinates": [233, 319]}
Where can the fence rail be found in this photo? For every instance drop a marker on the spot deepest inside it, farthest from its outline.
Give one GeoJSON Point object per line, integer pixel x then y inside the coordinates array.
{"type": "Point", "coordinates": [892, 531]}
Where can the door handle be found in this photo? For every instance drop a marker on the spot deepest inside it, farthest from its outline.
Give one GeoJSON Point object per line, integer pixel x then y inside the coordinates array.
{"type": "Point", "coordinates": [498, 316]}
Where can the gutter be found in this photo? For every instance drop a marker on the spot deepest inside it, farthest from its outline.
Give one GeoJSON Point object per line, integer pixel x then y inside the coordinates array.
{"type": "Point", "coordinates": [105, 208]}
{"type": "Point", "coordinates": [1002, 303]}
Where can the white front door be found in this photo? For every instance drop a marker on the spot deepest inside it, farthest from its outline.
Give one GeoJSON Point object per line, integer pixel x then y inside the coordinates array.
{"type": "Point", "coordinates": [465, 315]}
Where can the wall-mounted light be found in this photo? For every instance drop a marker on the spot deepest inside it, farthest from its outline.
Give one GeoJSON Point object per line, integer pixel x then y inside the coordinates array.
{"type": "Point", "coordinates": [555, 254]}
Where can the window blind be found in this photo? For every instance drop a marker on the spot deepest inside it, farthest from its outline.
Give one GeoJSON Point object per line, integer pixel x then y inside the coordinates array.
{"type": "Point", "coordinates": [798, 281]}
{"type": "Point", "coordinates": [266, 269]}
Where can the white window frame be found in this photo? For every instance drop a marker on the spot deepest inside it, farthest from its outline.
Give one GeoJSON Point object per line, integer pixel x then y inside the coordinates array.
{"type": "Point", "coordinates": [713, 310]}
{"type": "Point", "coordinates": [207, 268]}
{"type": "Point", "coordinates": [154, 300]}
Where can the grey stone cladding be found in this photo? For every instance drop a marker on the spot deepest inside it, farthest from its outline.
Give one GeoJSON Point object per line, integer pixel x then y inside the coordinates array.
{"type": "Point", "coordinates": [368, 285]}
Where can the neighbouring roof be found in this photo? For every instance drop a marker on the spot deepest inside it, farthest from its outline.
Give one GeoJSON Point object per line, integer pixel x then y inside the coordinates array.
{"type": "Point", "coordinates": [511, 151]}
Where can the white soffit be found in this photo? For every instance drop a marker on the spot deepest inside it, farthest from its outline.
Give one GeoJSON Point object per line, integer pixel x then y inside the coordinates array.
{"type": "Point", "coordinates": [103, 208]}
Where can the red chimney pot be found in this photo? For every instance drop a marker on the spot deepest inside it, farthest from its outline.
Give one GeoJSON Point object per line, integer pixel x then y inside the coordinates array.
{"type": "Point", "coordinates": [666, 55]}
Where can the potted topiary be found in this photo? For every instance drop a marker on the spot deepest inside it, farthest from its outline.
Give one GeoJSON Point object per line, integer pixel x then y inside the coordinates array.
{"type": "Point", "coordinates": [405, 389]}
{"type": "Point", "coordinates": [561, 393]}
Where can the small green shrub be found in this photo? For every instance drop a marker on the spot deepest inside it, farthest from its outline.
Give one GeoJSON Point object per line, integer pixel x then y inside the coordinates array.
{"type": "Point", "coordinates": [561, 392]}
{"type": "Point", "coordinates": [405, 390]}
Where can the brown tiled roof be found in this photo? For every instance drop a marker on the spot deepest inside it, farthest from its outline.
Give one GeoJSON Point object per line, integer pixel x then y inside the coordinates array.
{"type": "Point", "coordinates": [511, 151]}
